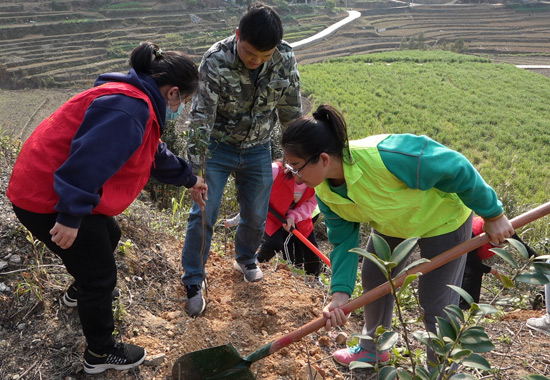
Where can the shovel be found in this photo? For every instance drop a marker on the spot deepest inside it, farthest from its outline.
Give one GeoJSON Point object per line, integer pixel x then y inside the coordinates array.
{"type": "Point", "coordinates": [224, 362]}
{"type": "Point", "coordinates": [302, 238]}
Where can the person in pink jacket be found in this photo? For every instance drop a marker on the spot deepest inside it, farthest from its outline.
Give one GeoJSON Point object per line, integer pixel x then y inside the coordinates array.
{"type": "Point", "coordinates": [296, 203]}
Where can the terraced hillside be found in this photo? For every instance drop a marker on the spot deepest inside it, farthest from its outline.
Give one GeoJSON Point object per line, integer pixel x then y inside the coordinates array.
{"type": "Point", "coordinates": [66, 43]}
{"type": "Point", "coordinates": [69, 45]}
{"type": "Point", "coordinates": [486, 29]}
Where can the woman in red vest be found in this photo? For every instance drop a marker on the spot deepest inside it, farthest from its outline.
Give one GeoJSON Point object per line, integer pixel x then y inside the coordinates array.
{"type": "Point", "coordinates": [85, 164]}
{"type": "Point", "coordinates": [296, 204]}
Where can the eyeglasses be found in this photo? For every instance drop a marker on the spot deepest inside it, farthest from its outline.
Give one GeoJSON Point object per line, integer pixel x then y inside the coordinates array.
{"type": "Point", "coordinates": [296, 172]}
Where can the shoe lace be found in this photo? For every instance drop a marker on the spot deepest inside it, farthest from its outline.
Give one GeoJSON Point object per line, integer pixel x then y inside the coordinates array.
{"type": "Point", "coordinates": [355, 349]}
{"type": "Point", "coordinates": [119, 350]}
{"type": "Point", "coordinates": [192, 290]}
{"type": "Point", "coordinates": [251, 266]}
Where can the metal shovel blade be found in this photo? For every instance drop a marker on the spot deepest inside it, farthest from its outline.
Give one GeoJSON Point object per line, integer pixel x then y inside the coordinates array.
{"type": "Point", "coordinates": [221, 362]}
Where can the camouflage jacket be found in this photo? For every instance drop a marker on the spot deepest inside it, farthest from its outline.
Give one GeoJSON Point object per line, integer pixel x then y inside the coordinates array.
{"type": "Point", "coordinates": [229, 107]}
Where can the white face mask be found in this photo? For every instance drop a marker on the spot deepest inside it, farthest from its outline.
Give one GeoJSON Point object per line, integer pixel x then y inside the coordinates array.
{"type": "Point", "coordinates": [171, 115]}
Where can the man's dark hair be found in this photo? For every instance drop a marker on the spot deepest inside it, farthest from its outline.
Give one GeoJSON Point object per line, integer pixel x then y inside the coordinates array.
{"type": "Point", "coordinates": [261, 27]}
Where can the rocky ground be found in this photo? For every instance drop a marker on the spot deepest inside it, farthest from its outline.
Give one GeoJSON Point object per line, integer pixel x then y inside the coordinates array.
{"type": "Point", "coordinates": [40, 338]}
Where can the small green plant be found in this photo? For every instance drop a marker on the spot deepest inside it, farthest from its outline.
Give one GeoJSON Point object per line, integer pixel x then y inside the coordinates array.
{"type": "Point", "coordinates": [460, 341]}
{"type": "Point", "coordinates": [125, 247]}
{"type": "Point", "coordinates": [119, 310]}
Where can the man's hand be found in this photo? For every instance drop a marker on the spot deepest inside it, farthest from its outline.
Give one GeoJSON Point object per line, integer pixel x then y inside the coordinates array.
{"type": "Point", "coordinates": [199, 192]}
{"type": "Point", "coordinates": [63, 236]}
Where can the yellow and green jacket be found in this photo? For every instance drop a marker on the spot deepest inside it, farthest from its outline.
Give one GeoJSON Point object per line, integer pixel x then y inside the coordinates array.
{"type": "Point", "coordinates": [404, 186]}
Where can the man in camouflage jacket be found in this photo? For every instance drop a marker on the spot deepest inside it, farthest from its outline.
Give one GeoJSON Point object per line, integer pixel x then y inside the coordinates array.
{"type": "Point", "coordinates": [249, 82]}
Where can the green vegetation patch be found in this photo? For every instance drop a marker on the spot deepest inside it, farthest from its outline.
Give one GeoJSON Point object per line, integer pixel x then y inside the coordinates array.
{"type": "Point", "coordinates": [128, 5]}
{"type": "Point", "coordinates": [497, 115]}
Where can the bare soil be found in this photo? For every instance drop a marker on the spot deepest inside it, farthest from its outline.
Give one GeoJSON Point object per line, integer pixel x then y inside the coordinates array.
{"type": "Point", "coordinates": [40, 338]}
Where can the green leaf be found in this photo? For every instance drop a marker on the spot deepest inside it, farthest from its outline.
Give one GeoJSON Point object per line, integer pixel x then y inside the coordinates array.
{"type": "Point", "coordinates": [387, 373]}
{"type": "Point", "coordinates": [543, 268]}
{"type": "Point", "coordinates": [485, 309]}
{"type": "Point", "coordinates": [519, 246]}
{"type": "Point", "coordinates": [410, 278]}
{"type": "Point", "coordinates": [456, 311]}
{"type": "Point", "coordinates": [387, 340]}
{"type": "Point", "coordinates": [424, 337]}
{"type": "Point", "coordinates": [462, 376]}
{"type": "Point", "coordinates": [459, 354]}
{"type": "Point", "coordinates": [473, 335]}
{"type": "Point", "coordinates": [403, 374]}
{"type": "Point", "coordinates": [477, 361]}
{"type": "Point", "coordinates": [438, 346]}
{"type": "Point", "coordinates": [532, 278]}
{"type": "Point", "coordinates": [430, 340]}
{"type": "Point", "coordinates": [381, 247]}
{"type": "Point", "coordinates": [412, 265]}
{"type": "Point", "coordinates": [506, 281]}
{"type": "Point", "coordinates": [361, 336]}
{"type": "Point", "coordinates": [389, 265]}
{"type": "Point", "coordinates": [354, 365]}
{"type": "Point", "coordinates": [485, 346]}
{"type": "Point", "coordinates": [403, 249]}
{"type": "Point", "coordinates": [464, 294]}
{"type": "Point", "coordinates": [446, 329]}
{"type": "Point", "coordinates": [369, 256]}
{"type": "Point", "coordinates": [422, 373]}
{"type": "Point", "coordinates": [534, 377]}
{"type": "Point", "coordinates": [503, 254]}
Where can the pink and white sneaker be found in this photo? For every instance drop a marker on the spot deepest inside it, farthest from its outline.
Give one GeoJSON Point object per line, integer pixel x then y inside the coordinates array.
{"type": "Point", "coordinates": [356, 353]}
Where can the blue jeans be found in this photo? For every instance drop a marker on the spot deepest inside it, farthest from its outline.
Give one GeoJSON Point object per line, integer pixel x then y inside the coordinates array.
{"type": "Point", "coordinates": [253, 179]}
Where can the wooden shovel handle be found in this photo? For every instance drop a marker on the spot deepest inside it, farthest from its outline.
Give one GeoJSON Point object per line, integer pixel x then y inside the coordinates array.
{"type": "Point", "coordinates": [424, 268]}
{"type": "Point", "coordinates": [301, 236]}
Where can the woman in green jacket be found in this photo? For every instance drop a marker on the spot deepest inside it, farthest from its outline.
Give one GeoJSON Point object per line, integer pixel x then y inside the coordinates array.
{"type": "Point", "coordinates": [404, 186]}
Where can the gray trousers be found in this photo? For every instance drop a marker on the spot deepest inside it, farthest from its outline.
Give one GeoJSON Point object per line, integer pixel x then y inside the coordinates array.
{"type": "Point", "coordinates": [433, 293]}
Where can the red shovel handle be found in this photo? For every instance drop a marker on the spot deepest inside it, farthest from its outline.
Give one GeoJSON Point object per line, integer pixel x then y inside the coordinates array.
{"type": "Point", "coordinates": [302, 238]}
{"type": "Point", "coordinates": [424, 268]}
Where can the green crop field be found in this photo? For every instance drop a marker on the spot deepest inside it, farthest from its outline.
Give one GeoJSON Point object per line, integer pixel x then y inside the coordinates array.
{"type": "Point", "coordinates": [495, 114]}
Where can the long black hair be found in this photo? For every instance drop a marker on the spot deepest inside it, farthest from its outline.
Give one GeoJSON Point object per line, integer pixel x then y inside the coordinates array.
{"type": "Point", "coordinates": [324, 131]}
{"type": "Point", "coordinates": [166, 67]}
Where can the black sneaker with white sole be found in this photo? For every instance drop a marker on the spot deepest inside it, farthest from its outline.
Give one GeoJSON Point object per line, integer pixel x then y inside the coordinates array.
{"type": "Point", "coordinates": [123, 356]}
{"type": "Point", "coordinates": [70, 298]}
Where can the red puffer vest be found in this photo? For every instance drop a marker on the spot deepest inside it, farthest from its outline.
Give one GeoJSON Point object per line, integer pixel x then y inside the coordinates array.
{"type": "Point", "coordinates": [32, 182]}
{"type": "Point", "coordinates": [282, 195]}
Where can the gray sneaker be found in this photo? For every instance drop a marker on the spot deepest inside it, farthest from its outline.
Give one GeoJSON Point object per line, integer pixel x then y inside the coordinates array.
{"type": "Point", "coordinates": [251, 271]}
{"type": "Point", "coordinates": [195, 301]}
{"type": "Point", "coordinates": [540, 324]}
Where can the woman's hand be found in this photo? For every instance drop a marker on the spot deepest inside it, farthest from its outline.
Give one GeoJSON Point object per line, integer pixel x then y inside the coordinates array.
{"type": "Point", "coordinates": [199, 192]}
{"type": "Point", "coordinates": [289, 225]}
{"type": "Point", "coordinates": [498, 229]}
{"type": "Point", "coordinates": [63, 236]}
{"type": "Point", "coordinates": [332, 312]}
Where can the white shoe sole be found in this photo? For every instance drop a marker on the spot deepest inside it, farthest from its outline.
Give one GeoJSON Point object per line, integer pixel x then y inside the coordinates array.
{"type": "Point", "coordinates": [100, 368]}
{"type": "Point", "coordinates": [238, 267]}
